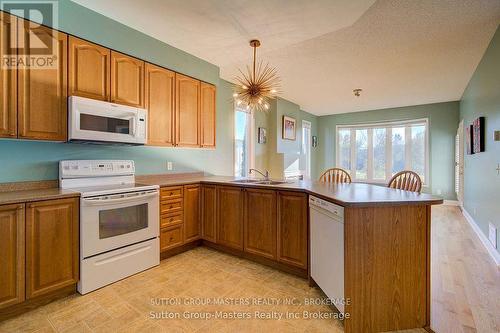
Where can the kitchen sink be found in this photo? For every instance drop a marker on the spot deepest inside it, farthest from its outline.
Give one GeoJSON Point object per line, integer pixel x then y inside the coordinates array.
{"type": "Point", "coordinates": [246, 181]}
{"type": "Point", "coordinates": [259, 181]}
{"type": "Point", "coordinates": [272, 182]}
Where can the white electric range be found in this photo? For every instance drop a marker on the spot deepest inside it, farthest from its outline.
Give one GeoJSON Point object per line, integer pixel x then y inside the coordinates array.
{"type": "Point", "coordinates": [119, 220]}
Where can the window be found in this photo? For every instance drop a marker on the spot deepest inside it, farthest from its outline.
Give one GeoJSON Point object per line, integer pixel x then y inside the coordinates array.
{"type": "Point", "coordinates": [243, 145]}
{"type": "Point", "coordinates": [306, 148]}
{"type": "Point", "coordinates": [375, 152]}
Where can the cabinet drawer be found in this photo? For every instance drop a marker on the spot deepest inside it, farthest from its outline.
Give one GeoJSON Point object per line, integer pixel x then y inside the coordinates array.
{"type": "Point", "coordinates": [167, 193]}
{"type": "Point", "coordinates": [170, 207]}
{"type": "Point", "coordinates": [171, 237]}
{"type": "Point", "coordinates": [170, 219]}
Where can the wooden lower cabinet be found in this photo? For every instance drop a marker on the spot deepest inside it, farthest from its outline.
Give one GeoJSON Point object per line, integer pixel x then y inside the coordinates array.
{"type": "Point", "coordinates": [292, 228]}
{"type": "Point", "coordinates": [11, 255]}
{"type": "Point", "coordinates": [171, 237]}
{"type": "Point", "coordinates": [260, 222]}
{"type": "Point", "coordinates": [209, 212]}
{"type": "Point", "coordinates": [51, 245]}
{"type": "Point", "coordinates": [230, 209]}
{"type": "Point", "coordinates": [192, 230]}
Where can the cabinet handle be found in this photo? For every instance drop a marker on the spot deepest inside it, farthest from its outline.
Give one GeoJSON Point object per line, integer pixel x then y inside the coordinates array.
{"type": "Point", "coordinates": [171, 193]}
{"type": "Point", "coordinates": [171, 238]}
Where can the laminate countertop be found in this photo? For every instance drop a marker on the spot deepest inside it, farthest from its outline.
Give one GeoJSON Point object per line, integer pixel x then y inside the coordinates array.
{"type": "Point", "coordinates": [31, 195]}
{"type": "Point", "coordinates": [347, 195]}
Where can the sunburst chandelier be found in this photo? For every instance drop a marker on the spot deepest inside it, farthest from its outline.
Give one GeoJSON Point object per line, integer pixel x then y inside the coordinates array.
{"type": "Point", "coordinates": [254, 89]}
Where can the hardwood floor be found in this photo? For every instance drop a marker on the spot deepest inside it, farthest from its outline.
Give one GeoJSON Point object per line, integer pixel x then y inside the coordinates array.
{"type": "Point", "coordinates": [465, 293]}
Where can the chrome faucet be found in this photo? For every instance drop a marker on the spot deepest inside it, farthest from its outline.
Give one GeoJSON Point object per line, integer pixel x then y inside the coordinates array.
{"type": "Point", "coordinates": [266, 175]}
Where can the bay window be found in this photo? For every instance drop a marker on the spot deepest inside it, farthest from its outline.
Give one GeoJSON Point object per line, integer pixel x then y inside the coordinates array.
{"type": "Point", "coordinates": [375, 152]}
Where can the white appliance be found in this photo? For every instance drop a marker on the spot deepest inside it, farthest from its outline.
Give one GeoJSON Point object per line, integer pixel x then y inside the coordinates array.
{"type": "Point", "coordinates": [95, 121]}
{"type": "Point", "coordinates": [327, 248]}
{"type": "Point", "coordinates": [119, 220]}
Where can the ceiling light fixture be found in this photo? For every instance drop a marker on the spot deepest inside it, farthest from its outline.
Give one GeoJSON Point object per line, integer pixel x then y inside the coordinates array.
{"type": "Point", "coordinates": [357, 92]}
{"type": "Point", "coordinates": [255, 88]}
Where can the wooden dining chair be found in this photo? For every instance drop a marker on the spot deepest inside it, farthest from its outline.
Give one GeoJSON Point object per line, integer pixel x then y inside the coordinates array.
{"type": "Point", "coordinates": [335, 175]}
{"type": "Point", "coordinates": [406, 180]}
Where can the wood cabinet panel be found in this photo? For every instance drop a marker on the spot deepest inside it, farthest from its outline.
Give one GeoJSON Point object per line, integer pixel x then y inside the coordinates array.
{"type": "Point", "coordinates": [160, 102]}
{"type": "Point", "coordinates": [11, 255]}
{"type": "Point", "coordinates": [51, 245]}
{"type": "Point", "coordinates": [167, 193]}
{"type": "Point", "coordinates": [171, 206]}
{"type": "Point", "coordinates": [89, 70]}
{"type": "Point", "coordinates": [230, 214]}
{"type": "Point", "coordinates": [191, 213]}
{"type": "Point", "coordinates": [171, 237]}
{"type": "Point", "coordinates": [292, 228]}
{"type": "Point", "coordinates": [260, 222]}
{"type": "Point", "coordinates": [42, 92]}
{"type": "Point", "coordinates": [209, 212]}
{"type": "Point", "coordinates": [207, 117]}
{"type": "Point", "coordinates": [382, 272]}
{"type": "Point", "coordinates": [127, 80]}
{"type": "Point", "coordinates": [187, 111]}
{"type": "Point", "coordinates": [8, 79]}
{"type": "Point", "coordinates": [171, 219]}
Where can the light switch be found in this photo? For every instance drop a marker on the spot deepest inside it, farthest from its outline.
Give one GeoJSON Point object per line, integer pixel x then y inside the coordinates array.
{"type": "Point", "coordinates": [169, 166]}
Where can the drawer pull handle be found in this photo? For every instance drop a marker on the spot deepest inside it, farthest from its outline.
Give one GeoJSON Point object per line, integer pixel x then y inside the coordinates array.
{"type": "Point", "coordinates": [171, 238]}
{"type": "Point", "coordinates": [171, 193]}
{"type": "Point", "coordinates": [171, 219]}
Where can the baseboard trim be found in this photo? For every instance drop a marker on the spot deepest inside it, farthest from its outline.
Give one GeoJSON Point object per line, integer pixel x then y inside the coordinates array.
{"type": "Point", "coordinates": [451, 202]}
{"type": "Point", "coordinates": [486, 243]}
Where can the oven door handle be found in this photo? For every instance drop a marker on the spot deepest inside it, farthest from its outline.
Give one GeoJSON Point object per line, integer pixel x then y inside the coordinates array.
{"type": "Point", "coordinates": [99, 201]}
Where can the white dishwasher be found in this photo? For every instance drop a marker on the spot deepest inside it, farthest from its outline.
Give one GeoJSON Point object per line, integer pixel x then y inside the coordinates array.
{"type": "Point", "coordinates": [327, 248]}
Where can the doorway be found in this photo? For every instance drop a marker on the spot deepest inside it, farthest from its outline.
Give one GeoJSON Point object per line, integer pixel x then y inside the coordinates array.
{"type": "Point", "coordinates": [459, 163]}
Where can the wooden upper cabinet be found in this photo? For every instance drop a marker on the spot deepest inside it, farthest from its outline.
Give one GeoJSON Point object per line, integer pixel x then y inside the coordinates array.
{"type": "Point", "coordinates": [192, 202]}
{"type": "Point", "coordinates": [89, 70]}
{"type": "Point", "coordinates": [127, 80]}
{"type": "Point", "coordinates": [8, 80]}
{"type": "Point", "coordinates": [42, 92]}
{"type": "Point", "coordinates": [292, 228]}
{"type": "Point", "coordinates": [230, 203]}
{"type": "Point", "coordinates": [51, 245]}
{"type": "Point", "coordinates": [187, 111]}
{"type": "Point", "coordinates": [208, 212]}
{"type": "Point", "coordinates": [207, 117]}
{"type": "Point", "coordinates": [260, 222]}
{"type": "Point", "coordinates": [11, 255]}
{"type": "Point", "coordinates": [160, 102]}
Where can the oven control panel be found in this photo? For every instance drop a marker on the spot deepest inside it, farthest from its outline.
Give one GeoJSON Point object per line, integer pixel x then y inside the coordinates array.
{"type": "Point", "coordinates": [95, 168]}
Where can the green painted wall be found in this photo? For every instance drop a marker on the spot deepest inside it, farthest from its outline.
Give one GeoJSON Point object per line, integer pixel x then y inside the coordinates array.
{"type": "Point", "coordinates": [482, 99]}
{"type": "Point", "coordinates": [443, 123]}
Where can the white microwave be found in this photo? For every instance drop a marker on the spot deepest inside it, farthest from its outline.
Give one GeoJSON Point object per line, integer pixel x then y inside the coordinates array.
{"type": "Point", "coordinates": [96, 121]}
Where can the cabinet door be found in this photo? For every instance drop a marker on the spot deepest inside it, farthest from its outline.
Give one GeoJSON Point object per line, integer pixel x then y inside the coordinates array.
{"type": "Point", "coordinates": [230, 207]}
{"type": "Point", "coordinates": [292, 228]}
{"type": "Point", "coordinates": [187, 111]}
{"type": "Point", "coordinates": [127, 80]}
{"type": "Point", "coordinates": [89, 70]}
{"type": "Point", "coordinates": [207, 116]}
{"type": "Point", "coordinates": [11, 255]}
{"type": "Point", "coordinates": [8, 80]}
{"type": "Point", "coordinates": [42, 99]}
{"type": "Point", "coordinates": [51, 246]}
{"type": "Point", "coordinates": [260, 222]}
{"type": "Point", "coordinates": [208, 212]}
{"type": "Point", "coordinates": [191, 213]}
{"type": "Point", "coordinates": [160, 98]}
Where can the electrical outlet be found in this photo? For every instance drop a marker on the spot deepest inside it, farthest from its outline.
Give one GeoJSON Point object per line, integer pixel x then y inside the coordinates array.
{"type": "Point", "coordinates": [169, 166]}
{"type": "Point", "coordinates": [492, 235]}
{"type": "Point", "coordinates": [439, 191]}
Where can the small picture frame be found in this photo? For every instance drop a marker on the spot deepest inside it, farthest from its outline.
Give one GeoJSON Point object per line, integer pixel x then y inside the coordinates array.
{"type": "Point", "coordinates": [289, 127]}
{"type": "Point", "coordinates": [262, 138]}
{"type": "Point", "coordinates": [314, 141]}
{"type": "Point", "coordinates": [478, 135]}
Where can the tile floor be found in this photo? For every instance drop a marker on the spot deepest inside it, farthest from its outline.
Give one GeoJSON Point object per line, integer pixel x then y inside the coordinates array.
{"type": "Point", "coordinates": [180, 287]}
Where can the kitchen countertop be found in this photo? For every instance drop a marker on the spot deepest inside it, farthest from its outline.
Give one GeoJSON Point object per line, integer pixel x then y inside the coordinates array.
{"type": "Point", "coordinates": [348, 195]}
{"type": "Point", "coordinates": [12, 197]}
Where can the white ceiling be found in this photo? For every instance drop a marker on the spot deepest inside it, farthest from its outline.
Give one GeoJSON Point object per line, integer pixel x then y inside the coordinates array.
{"type": "Point", "coordinates": [399, 52]}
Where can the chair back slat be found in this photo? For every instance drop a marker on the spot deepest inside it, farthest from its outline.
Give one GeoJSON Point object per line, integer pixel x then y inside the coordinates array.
{"type": "Point", "coordinates": [335, 175]}
{"type": "Point", "coordinates": [406, 180]}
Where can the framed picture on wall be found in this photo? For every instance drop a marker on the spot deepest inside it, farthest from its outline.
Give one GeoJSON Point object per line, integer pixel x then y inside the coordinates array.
{"type": "Point", "coordinates": [262, 135]}
{"type": "Point", "coordinates": [314, 141]}
{"type": "Point", "coordinates": [469, 139]}
{"type": "Point", "coordinates": [289, 127]}
{"type": "Point", "coordinates": [478, 137]}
